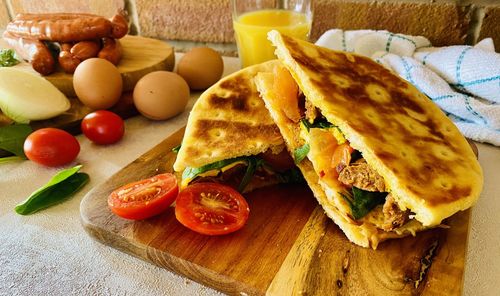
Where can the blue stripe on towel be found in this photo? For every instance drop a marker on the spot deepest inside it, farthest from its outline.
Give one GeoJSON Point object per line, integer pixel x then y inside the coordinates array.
{"type": "Point", "coordinates": [344, 46]}
{"type": "Point", "coordinates": [479, 81]}
{"type": "Point", "coordinates": [442, 97]}
{"type": "Point", "coordinates": [459, 64]}
{"type": "Point", "coordinates": [389, 40]}
{"type": "Point", "coordinates": [469, 108]}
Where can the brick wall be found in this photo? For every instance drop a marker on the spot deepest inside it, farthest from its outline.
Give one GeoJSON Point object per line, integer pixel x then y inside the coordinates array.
{"type": "Point", "coordinates": [444, 22]}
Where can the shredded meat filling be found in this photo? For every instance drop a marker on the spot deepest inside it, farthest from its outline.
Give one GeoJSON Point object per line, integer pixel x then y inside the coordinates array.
{"type": "Point", "coordinates": [394, 217]}
{"type": "Point", "coordinates": [311, 112]}
{"type": "Point", "coordinates": [359, 174]}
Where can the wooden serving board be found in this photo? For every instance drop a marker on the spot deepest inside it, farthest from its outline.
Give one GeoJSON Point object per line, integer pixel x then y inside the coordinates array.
{"type": "Point", "coordinates": [288, 247]}
{"type": "Point", "coordinates": [141, 55]}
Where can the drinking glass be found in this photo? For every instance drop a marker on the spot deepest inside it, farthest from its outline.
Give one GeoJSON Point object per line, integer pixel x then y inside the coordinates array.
{"type": "Point", "coordinates": [252, 19]}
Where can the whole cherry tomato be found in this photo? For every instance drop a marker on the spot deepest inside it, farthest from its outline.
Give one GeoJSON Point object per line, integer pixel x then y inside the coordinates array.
{"type": "Point", "coordinates": [51, 147]}
{"type": "Point", "coordinates": [103, 127]}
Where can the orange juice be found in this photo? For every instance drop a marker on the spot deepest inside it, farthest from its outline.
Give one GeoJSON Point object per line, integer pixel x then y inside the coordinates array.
{"type": "Point", "coordinates": [251, 32]}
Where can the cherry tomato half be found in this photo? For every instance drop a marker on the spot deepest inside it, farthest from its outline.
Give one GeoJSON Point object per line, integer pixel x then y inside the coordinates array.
{"type": "Point", "coordinates": [211, 208]}
{"type": "Point", "coordinates": [51, 147]}
{"type": "Point", "coordinates": [103, 127]}
{"type": "Point", "coordinates": [146, 198]}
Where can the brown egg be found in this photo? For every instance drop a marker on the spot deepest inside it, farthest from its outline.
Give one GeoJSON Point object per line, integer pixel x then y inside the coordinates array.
{"type": "Point", "coordinates": [160, 95]}
{"type": "Point", "coordinates": [97, 83]}
{"type": "Point", "coordinates": [201, 67]}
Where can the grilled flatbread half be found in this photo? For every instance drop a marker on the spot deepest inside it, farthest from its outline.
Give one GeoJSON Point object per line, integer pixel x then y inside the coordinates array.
{"type": "Point", "coordinates": [409, 149]}
{"type": "Point", "coordinates": [228, 123]}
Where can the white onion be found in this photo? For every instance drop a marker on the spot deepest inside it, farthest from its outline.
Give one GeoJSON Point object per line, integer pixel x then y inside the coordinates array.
{"type": "Point", "coordinates": [25, 96]}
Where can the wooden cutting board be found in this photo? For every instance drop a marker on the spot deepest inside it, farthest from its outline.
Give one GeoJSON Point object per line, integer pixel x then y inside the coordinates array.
{"type": "Point", "coordinates": [288, 247]}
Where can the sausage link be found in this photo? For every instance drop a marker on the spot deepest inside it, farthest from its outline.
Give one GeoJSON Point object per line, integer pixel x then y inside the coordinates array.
{"type": "Point", "coordinates": [120, 25]}
{"type": "Point", "coordinates": [34, 51]}
{"type": "Point", "coordinates": [85, 49]}
{"type": "Point", "coordinates": [67, 60]}
{"type": "Point", "coordinates": [70, 29]}
{"type": "Point", "coordinates": [111, 50]}
{"type": "Point", "coordinates": [51, 16]}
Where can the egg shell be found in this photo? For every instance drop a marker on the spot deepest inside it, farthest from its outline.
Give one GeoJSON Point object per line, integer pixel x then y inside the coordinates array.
{"type": "Point", "coordinates": [160, 95]}
{"type": "Point", "coordinates": [201, 67]}
{"type": "Point", "coordinates": [97, 83]}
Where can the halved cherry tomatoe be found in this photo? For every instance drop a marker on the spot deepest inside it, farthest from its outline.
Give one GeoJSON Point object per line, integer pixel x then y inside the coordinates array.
{"type": "Point", "coordinates": [146, 198]}
{"type": "Point", "coordinates": [211, 208]}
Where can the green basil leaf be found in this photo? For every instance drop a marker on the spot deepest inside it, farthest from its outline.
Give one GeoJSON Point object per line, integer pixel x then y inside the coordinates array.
{"type": "Point", "coordinates": [300, 153]}
{"type": "Point", "coordinates": [63, 185]}
{"type": "Point", "coordinates": [10, 159]}
{"type": "Point", "coordinates": [12, 138]}
{"type": "Point", "coordinates": [362, 201]}
{"type": "Point", "coordinates": [253, 164]}
{"type": "Point", "coordinates": [319, 122]}
{"type": "Point", "coordinates": [176, 149]}
{"type": "Point", "coordinates": [8, 58]}
{"type": "Point", "coordinates": [190, 173]}
{"type": "Point", "coordinates": [292, 175]}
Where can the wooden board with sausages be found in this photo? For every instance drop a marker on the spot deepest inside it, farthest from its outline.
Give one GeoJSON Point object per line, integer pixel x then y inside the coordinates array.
{"type": "Point", "coordinates": [288, 247]}
{"type": "Point", "coordinates": [140, 56]}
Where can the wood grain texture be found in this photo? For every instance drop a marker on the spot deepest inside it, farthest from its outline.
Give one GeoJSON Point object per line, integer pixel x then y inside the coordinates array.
{"type": "Point", "coordinates": [288, 247]}
{"type": "Point", "coordinates": [141, 55]}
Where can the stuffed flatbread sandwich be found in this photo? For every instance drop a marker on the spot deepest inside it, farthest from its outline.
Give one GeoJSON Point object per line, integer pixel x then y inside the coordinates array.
{"type": "Point", "coordinates": [380, 157]}
{"type": "Point", "coordinates": [231, 138]}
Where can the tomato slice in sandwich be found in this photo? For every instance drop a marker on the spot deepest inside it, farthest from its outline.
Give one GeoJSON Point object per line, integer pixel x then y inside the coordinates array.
{"type": "Point", "coordinates": [146, 198]}
{"type": "Point", "coordinates": [211, 208]}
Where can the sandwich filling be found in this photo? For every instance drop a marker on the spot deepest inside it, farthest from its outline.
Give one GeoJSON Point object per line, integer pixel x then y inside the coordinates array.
{"type": "Point", "coordinates": [363, 196]}
{"type": "Point", "coordinates": [246, 173]}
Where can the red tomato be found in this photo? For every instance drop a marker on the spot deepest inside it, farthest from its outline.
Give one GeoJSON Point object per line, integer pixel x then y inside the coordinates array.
{"type": "Point", "coordinates": [211, 208]}
{"type": "Point", "coordinates": [103, 127]}
{"type": "Point", "coordinates": [279, 162]}
{"type": "Point", "coordinates": [51, 147]}
{"type": "Point", "coordinates": [146, 198]}
{"type": "Point", "coordinates": [342, 156]}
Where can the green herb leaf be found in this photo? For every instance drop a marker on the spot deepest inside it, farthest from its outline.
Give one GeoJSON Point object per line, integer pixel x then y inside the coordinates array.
{"type": "Point", "coordinates": [292, 175]}
{"type": "Point", "coordinates": [300, 153]}
{"type": "Point", "coordinates": [12, 138]}
{"type": "Point", "coordinates": [11, 159]}
{"type": "Point", "coordinates": [190, 173]}
{"type": "Point", "coordinates": [63, 185]}
{"type": "Point", "coordinates": [253, 164]}
{"type": "Point", "coordinates": [362, 201]}
{"type": "Point", "coordinates": [319, 122]}
{"type": "Point", "coordinates": [8, 58]}
{"type": "Point", "coordinates": [176, 149]}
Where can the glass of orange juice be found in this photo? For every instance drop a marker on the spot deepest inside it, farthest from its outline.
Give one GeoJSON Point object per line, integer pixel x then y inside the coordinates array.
{"type": "Point", "coordinates": [252, 19]}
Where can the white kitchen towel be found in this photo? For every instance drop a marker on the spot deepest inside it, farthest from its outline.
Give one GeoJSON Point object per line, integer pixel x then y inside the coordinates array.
{"type": "Point", "coordinates": [469, 69]}
{"type": "Point", "coordinates": [477, 119]}
{"type": "Point", "coordinates": [368, 42]}
{"type": "Point", "coordinates": [476, 71]}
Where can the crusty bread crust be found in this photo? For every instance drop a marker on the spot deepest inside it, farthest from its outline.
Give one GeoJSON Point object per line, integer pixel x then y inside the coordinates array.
{"type": "Point", "coordinates": [428, 165]}
{"type": "Point", "coordinates": [229, 120]}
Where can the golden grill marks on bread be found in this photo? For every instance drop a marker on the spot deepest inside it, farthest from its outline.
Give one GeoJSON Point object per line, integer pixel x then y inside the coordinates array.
{"type": "Point", "coordinates": [425, 162]}
{"type": "Point", "coordinates": [428, 165]}
{"type": "Point", "coordinates": [229, 120]}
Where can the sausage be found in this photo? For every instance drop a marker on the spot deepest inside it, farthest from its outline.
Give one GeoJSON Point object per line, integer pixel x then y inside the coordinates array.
{"type": "Point", "coordinates": [65, 28]}
{"type": "Point", "coordinates": [85, 49]}
{"type": "Point", "coordinates": [34, 51]}
{"type": "Point", "coordinates": [111, 50]}
{"type": "Point", "coordinates": [120, 25]}
{"type": "Point", "coordinates": [67, 60]}
{"type": "Point", "coordinates": [68, 27]}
